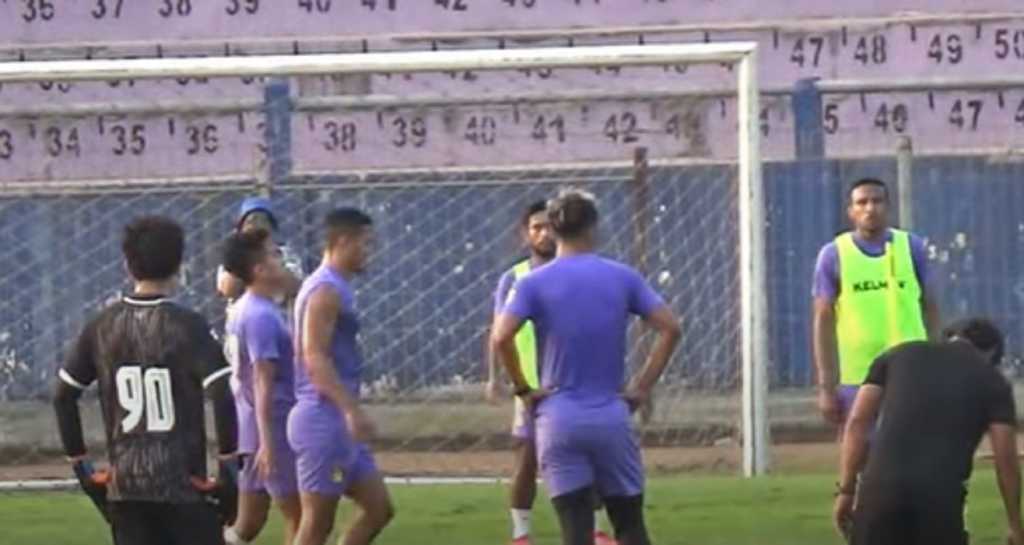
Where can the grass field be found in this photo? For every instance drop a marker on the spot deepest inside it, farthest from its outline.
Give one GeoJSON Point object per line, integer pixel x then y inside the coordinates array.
{"type": "Point", "coordinates": [781, 510]}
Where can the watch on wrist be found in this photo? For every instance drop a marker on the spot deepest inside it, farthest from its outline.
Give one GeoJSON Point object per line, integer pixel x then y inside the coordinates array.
{"type": "Point", "coordinates": [525, 390]}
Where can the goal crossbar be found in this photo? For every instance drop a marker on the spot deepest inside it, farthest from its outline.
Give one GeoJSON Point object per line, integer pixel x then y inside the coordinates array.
{"type": "Point", "coordinates": [370, 63]}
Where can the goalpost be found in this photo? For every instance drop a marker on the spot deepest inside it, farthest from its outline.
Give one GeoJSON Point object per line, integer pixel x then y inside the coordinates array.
{"type": "Point", "coordinates": [655, 179]}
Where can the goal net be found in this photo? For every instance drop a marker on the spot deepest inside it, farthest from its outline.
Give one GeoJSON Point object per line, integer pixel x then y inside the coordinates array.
{"type": "Point", "coordinates": [445, 150]}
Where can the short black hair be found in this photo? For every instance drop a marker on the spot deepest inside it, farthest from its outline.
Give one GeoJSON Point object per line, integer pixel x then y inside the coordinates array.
{"type": "Point", "coordinates": [536, 207]}
{"type": "Point", "coordinates": [345, 221]}
{"type": "Point", "coordinates": [865, 182]}
{"type": "Point", "coordinates": [982, 333]}
{"type": "Point", "coordinates": [153, 247]}
{"type": "Point", "coordinates": [572, 213]}
{"type": "Point", "coordinates": [243, 251]}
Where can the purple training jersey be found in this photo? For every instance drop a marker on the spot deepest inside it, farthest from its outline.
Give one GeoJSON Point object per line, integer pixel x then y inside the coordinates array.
{"type": "Point", "coordinates": [826, 271]}
{"type": "Point", "coordinates": [257, 332]}
{"type": "Point", "coordinates": [580, 307]}
{"type": "Point", "coordinates": [328, 460]}
{"type": "Point", "coordinates": [348, 360]}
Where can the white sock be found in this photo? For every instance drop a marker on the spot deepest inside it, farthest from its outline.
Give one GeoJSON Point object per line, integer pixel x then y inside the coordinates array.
{"type": "Point", "coordinates": [231, 537]}
{"type": "Point", "coordinates": [520, 523]}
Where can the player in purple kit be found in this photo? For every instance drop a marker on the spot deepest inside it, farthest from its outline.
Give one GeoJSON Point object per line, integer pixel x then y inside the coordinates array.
{"type": "Point", "coordinates": [580, 305]}
{"type": "Point", "coordinates": [535, 230]}
{"type": "Point", "coordinates": [327, 427]}
{"type": "Point", "coordinates": [259, 349]}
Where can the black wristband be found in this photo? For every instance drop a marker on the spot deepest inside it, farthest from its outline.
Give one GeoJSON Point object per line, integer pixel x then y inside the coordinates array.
{"type": "Point", "coordinates": [525, 390]}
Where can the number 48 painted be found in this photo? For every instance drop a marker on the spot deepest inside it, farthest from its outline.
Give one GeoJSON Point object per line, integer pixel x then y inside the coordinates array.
{"type": "Point", "coordinates": [145, 393]}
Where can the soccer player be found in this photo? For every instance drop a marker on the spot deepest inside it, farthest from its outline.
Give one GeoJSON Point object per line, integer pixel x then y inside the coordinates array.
{"type": "Point", "coordinates": [938, 399]}
{"type": "Point", "coordinates": [152, 358]}
{"type": "Point", "coordinates": [259, 349]}
{"type": "Point", "coordinates": [580, 305]}
{"type": "Point", "coordinates": [328, 427]}
{"type": "Point", "coordinates": [535, 230]}
{"type": "Point", "coordinates": [257, 214]}
{"type": "Point", "coordinates": [870, 293]}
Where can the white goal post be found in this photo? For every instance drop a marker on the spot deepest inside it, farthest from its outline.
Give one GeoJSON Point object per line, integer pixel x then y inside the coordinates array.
{"type": "Point", "coordinates": [741, 55]}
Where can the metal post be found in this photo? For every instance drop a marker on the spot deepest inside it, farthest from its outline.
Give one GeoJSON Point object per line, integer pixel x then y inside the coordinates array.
{"type": "Point", "coordinates": [277, 110]}
{"type": "Point", "coordinates": [641, 198]}
{"type": "Point", "coordinates": [753, 304]}
{"type": "Point", "coordinates": [807, 117]}
{"type": "Point", "coordinates": [905, 182]}
{"type": "Point", "coordinates": [639, 221]}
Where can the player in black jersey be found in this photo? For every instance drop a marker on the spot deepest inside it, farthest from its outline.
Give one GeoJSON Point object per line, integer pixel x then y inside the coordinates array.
{"type": "Point", "coordinates": [155, 362]}
{"type": "Point", "coordinates": [936, 400]}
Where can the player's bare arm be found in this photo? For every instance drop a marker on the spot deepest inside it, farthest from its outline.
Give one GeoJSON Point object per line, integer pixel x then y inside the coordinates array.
{"type": "Point", "coordinates": [263, 389]}
{"type": "Point", "coordinates": [1003, 438]}
{"type": "Point", "coordinates": [666, 324]}
{"type": "Point", "coordinates": [321, 316]}
{"type": "Point", "coordinates": [503, 344]}
{"type": "Point", "coordinates": [494, 384]}
{"type": "Point", "coordinates": [826, 362]}
{"type": "Point", "coordinates": [854, 452]}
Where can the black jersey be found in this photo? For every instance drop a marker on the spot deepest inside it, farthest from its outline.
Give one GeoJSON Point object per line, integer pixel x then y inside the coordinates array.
{"type": "Point", "coordinates": [939, 400]}
{"type": "Point", "coordinates": [151, 358]}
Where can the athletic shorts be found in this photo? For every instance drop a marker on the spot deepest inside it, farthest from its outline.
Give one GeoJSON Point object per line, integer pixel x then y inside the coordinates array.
{"type": "Point", "coordinates": [282, 481]}
{"type": "Point", "coordinates": [896, 515]}
{"type": "Point", "coordinates": [575, 453]}
{"type": "Point", "coordinates": [152, 523]}
{"type": "Point", "coordinates": [522, 422]}
{"type": "Point", "coordinates": [327, 460]}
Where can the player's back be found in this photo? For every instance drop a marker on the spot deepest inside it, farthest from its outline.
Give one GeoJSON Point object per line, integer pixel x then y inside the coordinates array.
{"type": "Point", "coordinates": [150, 357]}
{"type": "Point", "coordinates": [581, 307]}
{"type": "Point", "coordinates": [345, 353]}
{"type": "Point", "coordinates": [939, 400]}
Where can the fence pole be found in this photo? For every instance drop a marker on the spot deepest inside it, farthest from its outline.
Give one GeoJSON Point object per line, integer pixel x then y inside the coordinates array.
{"type": "Point", "coordinates": [905, 182]}
{"type": "Point", "coordinates": [640, 225]}
{"type": "Point", "coordinates": [277, 135]}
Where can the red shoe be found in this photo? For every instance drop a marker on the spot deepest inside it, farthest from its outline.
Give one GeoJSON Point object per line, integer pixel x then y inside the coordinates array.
{"type": "Point", "coordinates": [601, 538]}
{"type": "Point", "coordinates": [525, 540]}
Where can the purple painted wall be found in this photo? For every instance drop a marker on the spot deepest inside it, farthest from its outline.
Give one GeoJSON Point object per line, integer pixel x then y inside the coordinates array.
{"type": "Point", "coordinates": [66, 21]}
{"type": "Point", "coordinates": [855, 125]}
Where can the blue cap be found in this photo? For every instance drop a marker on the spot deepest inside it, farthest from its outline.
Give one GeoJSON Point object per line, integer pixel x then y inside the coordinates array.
{"type": "Point", "coordinates": [255, 204]}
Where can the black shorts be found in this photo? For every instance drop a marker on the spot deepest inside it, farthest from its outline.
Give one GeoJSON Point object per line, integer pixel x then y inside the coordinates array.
{"type": "Point", "coordinates": [898, 515]}
{"type": "Point", "coordinates": [151, 523]}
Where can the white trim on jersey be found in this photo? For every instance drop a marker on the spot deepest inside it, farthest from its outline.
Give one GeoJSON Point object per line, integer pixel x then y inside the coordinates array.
{"type": "Point", "coordinates": [144, 302]}
{"type": "Point", "coordinates": [70, 380]}
{"type": "Point", "coordinates": [215, 376]}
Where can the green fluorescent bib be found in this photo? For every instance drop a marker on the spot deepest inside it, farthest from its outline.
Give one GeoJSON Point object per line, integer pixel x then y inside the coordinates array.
{"type": "Point", "coordinates": [526, 341]}
{"type": "Point", "coordinates": [879, 304]}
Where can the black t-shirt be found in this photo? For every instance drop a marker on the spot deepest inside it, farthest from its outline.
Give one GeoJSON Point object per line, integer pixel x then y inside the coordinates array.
{"type": "Point", "coordinates": [151, 357]}
{"type": "Point", "coordinates": [938, 401]}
